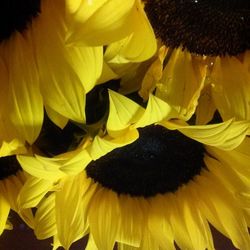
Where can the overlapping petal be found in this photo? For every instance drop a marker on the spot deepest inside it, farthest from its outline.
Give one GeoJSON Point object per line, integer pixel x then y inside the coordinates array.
{"type": "Point", "coordinates": [66, 73]}
{"type": "Point", "coordinates": [99, 22]}
{"type": "Point", "coordinates": [226, 135]}
{"type": "Point", "coordinates": [25, 104]}
{"type": "Point", "coordinates": [231, 88]}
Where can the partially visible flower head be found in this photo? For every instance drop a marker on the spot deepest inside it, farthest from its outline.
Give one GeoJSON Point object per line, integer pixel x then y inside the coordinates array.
{"type": "Point", "coordinates": [205, 27]}
{"type": "Point", "coordinates": [206, 65]}
{"type": "Point", "coordinates": [171, 170]}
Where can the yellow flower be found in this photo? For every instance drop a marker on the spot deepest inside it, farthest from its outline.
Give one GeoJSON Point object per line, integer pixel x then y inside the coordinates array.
{"type": "Point", "coordinates": [145, 186]}
{"type": "Point", "coordinates": [12, 180]}
{"type": "Point", "coordinates": [207, 62]}
{"type": "Point", "coordinates": [124, 119]}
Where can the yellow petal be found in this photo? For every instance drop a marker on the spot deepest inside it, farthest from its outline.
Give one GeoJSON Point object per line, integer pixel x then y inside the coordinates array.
{"type": "Point", "coordinates": [181, 83]}
{"type": "Point", "coordinates": [156, 111]}
{"type": "Point", "coordinates": [13, 147]}
{"type": "Point", "coordinates": [222, 210]}
{"type": "Point", "coordinates": [91, 243]}
{"type": "Point", "coordinates": [41, 167]}
{"type": "Point", "coordinates": [7, 130]}
{"type": "Point", "coordinates": [70, 223]}
{"type": "Point", "coordinates": [4, 212]}
{"type": "Point", "coordinates": [61, 87]}
{"type": "Point", "coordinates": [76, 163]}
{"type": "Point", "coordinates": [10, 189]}
{"type": "Point", "coordinates": [56, 118]}
{"type": "Point", "coordinates": [33, 191]}
{"type": "Point", "coordinates": [100, 22]}
{"type": "Point", "coordinates": [107, 74]}
{"type": "Point", "coordinates": [102, 146]}
{"type": "Point", "coordinates": [143, 34]}
{"type": "Point", "coordinates": [231, 89]}
{"type": "Point", "coordinates": [159, 222]}
{"type": "Point", "coordinates": [104, 218]}
{"type": "Point", "coordinates": [180, 233]}
{"type": "Point", "coordinates": [235, 163]}
{"type": "Point", "coordinates": [196, 224]}
{"type": "Point", "coordinates": [25, 100]}
{"type": "Point", "coordinates": [153, 74]}
{"type": "Point", "coordinates": [45, 221]}
{"type": "Point", "coordinates": [226, 135]}
{"type": "Point", "coordinates": [56, 243]}
{"type": "Point", "coordinates": [206, 107]}
{"type": "Point", "coordinates": [122, 112]}
{"type": "Point", "coordinates": [132, 221]}
{"type": "Point", "coordinates": [87, 63]}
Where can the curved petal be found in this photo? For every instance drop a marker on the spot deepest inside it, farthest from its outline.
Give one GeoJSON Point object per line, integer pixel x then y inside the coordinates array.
{"type": "Point", "coordinates": [153, 74]}
{"type": "Point", "coordinates": [102, 146]}
{"type": "Point", "coordinates": [122, 112]}
{"type": "Point", "coordinates": [181, 83]}
{"type": "Point", "coordinates": [193, 220]}
{"type": "Point", "coordinates": [10, 189]}
{"type": "Point", "coordinates": [130, 231]}
{"type": "Point", "coordinates": [4, 212]}
{"type": "Point", "coordinates": [7, 130]}
{"type": "Point", "coordinates": [69, 211]}
{"type": "Point", "coordinates": [226, 135]}
{"type": "Point", "coordinates": [87, 63]}
{"type": "Point", "coordinates": [156, 111]}
{"type": "Point", "coordinates": [33, 191]}
{"type": "Point", "coordinates": [222, 210]}
{"type": "Point", "coordinates": [206, 107]}
{"type": "Point", "coordinates": [25, 101]}
{"type": "Point", "coordinates": [159, 222]}
{"type": "Point", "coordinates": [141, 44]}
{"type": "Point", "coordinates": [104, 218]}
{"type": "Point", "coordinates": [231, 88]}
{"type": "Point", "coordinates": [56, 118]}
{"type": "Point", "coordinates": [61, 86]}
{"type": "Point", "coordinates": [77, 162]}
{"type": "Point", "coordinates": [45, 218]}
{"type": "Point", "coordinates": [13, 147]}
{"type": "Point", "coordinates": [41, 167]}
{"type": "Point", "coordinates": [100, 22]}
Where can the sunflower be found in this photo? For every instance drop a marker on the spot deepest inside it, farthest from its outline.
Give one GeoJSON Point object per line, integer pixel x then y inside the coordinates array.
{"type": "Point", "coordinates": [145, 186]}
{"type": "Point", "coordinates": [207, 56]}
{"type": "Point", "coordinates": [12, 179]}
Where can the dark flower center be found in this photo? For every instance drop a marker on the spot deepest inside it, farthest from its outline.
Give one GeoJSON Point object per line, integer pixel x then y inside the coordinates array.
{"type": "Point", "coordinates": [205, 27]}
{"type": "Point", "coordinates": [15, 15]}
{"type": "Point", "coordinates": [159, 161]}
{"type": "Point", "coordinates": [8, 166]}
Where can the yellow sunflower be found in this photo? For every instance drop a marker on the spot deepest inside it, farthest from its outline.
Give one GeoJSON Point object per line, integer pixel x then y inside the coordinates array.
{"type": "Point", "coordinates": [12, 179]}
{"type": "Point", "coordinates": [144, 186]}
{"type": "Point", "coordinates": [207, 58]}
